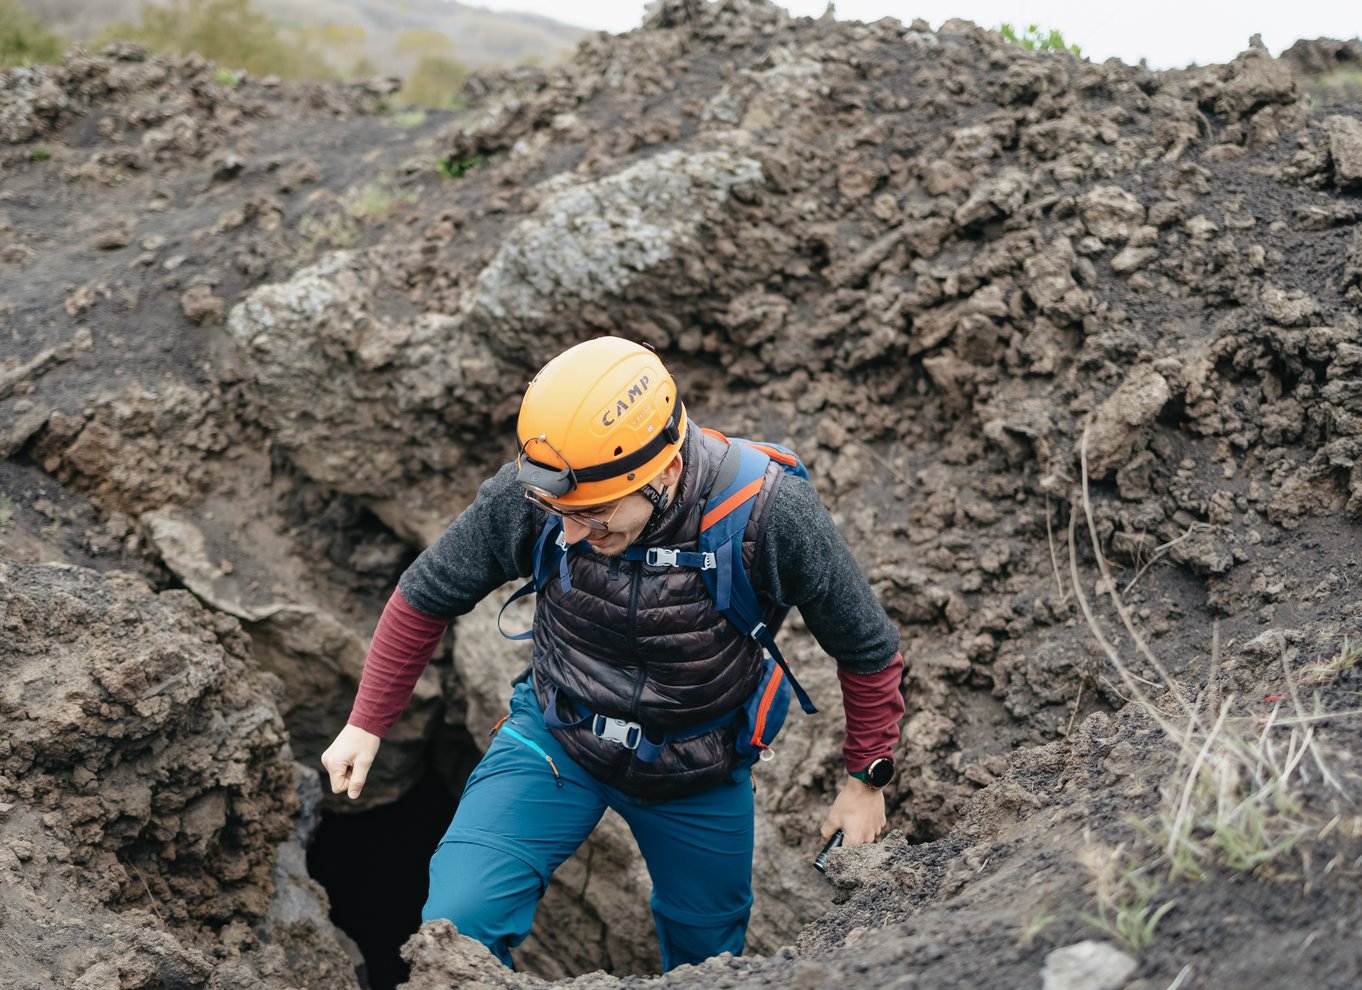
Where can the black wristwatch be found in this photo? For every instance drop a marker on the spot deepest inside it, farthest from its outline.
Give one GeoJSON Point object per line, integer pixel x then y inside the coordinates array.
{"type": "Point", "coordinates": [879, 773]}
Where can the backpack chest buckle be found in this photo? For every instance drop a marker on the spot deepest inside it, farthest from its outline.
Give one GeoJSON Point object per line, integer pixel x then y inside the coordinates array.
{"type": "Point", "coordinates": [661, 557]}
{"type": "Point", "coordinates": [617, 731]}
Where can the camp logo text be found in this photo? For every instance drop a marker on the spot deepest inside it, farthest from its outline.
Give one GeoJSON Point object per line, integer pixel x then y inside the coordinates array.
{"type": "Point", "coordinates": [611, 414]}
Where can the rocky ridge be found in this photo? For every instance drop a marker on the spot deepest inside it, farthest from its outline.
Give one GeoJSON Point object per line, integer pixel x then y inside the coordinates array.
{"type": "Point", "coordinates": [931, 262]}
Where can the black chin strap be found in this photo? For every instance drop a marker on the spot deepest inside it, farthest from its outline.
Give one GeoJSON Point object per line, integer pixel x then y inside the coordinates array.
{"type": "Point", "coordinates": [658, 498]}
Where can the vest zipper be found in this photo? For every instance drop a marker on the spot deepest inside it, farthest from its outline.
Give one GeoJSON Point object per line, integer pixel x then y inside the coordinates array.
{"type": "Point", "coordinates": [636, 580]}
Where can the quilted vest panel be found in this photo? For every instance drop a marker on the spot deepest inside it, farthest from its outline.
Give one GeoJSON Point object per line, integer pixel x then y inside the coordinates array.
{"type": "Point", "coordinates": [647, 645]}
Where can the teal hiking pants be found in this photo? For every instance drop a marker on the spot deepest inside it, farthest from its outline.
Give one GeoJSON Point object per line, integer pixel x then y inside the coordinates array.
{"type": "Point", "coordinates": [518, 820]}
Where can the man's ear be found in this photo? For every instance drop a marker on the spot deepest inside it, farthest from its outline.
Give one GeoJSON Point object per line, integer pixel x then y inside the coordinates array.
{"type": "Point", "coordinates": [671, 474]}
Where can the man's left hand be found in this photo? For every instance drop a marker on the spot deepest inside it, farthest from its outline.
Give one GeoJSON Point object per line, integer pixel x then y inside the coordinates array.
{"type": "Point", "coordinates": [858, 812]}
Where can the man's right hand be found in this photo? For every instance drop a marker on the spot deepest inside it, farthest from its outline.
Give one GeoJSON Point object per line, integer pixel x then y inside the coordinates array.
{"type": "Point", "coordinates": [349, 758]}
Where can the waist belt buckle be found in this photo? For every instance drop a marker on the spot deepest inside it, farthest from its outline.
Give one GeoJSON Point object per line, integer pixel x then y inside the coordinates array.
{"type": "Point", "coordinates": [617, 731]}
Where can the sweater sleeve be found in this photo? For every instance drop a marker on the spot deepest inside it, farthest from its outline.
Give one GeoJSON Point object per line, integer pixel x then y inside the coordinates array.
{"type": "Point", "coordinates": [490, 543]}
{"type": "Point", "coordinates": [803, 561]}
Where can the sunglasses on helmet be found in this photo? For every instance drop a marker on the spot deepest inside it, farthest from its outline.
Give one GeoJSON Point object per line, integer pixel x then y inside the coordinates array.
{"type": "Point", "coordinates": [590, 518]}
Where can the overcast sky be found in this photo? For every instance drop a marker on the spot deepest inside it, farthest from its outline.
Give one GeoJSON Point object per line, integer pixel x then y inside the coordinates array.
{"type": "Point", "coordinates": [1169, 33]}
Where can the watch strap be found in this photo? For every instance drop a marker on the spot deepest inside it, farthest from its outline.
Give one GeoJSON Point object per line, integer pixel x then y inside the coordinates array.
{"type": "Point", "coordinates": [885, 766]}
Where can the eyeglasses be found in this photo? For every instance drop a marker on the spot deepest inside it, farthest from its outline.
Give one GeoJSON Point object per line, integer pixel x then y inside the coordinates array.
{"type": "Point", "coordinates": [585, 517]}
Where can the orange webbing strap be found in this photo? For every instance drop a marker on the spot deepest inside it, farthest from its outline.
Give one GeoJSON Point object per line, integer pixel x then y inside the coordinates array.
{"type": "Point", "coordinates": [731, 503]}
{"type": "Point", "coordinates": [775, 455]}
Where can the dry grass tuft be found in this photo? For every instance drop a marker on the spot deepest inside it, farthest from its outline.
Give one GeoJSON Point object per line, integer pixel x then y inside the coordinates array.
{"type": "Point", "coordinates": [1240, 792]}
{"type": "Point", "coordinates": [1129, 908]}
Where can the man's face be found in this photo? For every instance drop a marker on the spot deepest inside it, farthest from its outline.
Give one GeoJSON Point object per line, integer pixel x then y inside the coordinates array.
{"type": "Point", "coordinates": [626, 519]}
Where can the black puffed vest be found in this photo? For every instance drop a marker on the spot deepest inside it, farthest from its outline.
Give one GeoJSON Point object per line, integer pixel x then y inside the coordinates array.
{"type": "Point", "coordinates": [647, 645]}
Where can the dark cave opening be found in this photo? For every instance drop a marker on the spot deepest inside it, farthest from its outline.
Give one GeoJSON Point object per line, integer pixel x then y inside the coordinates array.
{"type": "Point", "coordinates": [373, 865]}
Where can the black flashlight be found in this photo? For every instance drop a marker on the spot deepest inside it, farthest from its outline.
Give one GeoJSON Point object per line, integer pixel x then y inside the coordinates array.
{"type": "Point", "coordinates": [820, 864]}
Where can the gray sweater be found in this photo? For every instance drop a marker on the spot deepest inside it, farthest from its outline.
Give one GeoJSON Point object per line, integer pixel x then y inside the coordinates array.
{"type": "Point", "coordinates": [802, 561]}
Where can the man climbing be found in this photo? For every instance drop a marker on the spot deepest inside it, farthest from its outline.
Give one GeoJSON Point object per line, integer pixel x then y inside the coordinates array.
{"type": "Point", "coordinates": [645, 693]}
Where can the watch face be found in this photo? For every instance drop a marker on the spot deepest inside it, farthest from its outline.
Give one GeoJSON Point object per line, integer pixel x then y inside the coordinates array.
{"type": "Point", "coordinates": [880, 772]}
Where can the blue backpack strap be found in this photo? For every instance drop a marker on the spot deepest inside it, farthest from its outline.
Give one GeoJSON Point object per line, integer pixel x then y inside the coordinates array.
{"type": "Point", "coordinates": [644, 748]}
{"type": "Point", "coordinates": [721, 530]}
{"type": "Point", "coordinates": [551, 716]}
{"type": "Point", "coordinates": [550, 554]}
{"type": "Point", "coordinates": [525, 589]}
{"type": "Point", "coordinates": [648, 750]}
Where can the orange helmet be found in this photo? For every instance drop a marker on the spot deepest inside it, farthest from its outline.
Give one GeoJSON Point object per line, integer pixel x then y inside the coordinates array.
{"type": "Point", "coordinates": [598, 422]}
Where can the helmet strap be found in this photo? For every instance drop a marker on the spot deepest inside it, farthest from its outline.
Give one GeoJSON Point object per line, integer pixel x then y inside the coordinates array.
{"type": "Point", "coordinates": [658, 498]}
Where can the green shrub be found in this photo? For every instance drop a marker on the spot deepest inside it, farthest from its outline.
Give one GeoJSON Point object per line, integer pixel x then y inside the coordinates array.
{"type": "Point", "coordinates": [436, 82]}
{"type": "Point", "coordinates": [24, 40]}
{"type": "Point", "coordinates": [343, 46]}
{"type": "Point", "coordinates": [377, 201]}
{"type": "Point", "coordinates": [409, 118]}
{"type": "Point", "coordinates": [454, 168]}
{"type": "Point", "coordinates": [422, 41]}
{"type": "Point", "coordinates": [339, 223]}
{"type": "Point", "coordinates": [231, 33]}
{"type": "Point", "coordinates": [1341, 85]}
{"type": "Point", "coordinates": [1033, 39]}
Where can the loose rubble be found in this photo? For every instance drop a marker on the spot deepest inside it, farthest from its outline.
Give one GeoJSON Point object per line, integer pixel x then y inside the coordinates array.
{"type": "Point", "coordinates": [1015, 310]}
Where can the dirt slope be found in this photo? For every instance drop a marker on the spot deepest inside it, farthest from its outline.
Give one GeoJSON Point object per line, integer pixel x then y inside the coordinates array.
{"type": "Point", "coordinates": [262, 347]}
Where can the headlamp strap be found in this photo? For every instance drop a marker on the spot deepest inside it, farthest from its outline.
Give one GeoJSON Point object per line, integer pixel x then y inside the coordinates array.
{"type": "Point", "coordinates": [558, 482]}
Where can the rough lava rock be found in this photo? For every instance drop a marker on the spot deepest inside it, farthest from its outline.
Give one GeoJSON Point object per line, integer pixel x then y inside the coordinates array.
{"type": "Point", "coordinates": [928, 260]}
{"type": "Point", "coordinates": [147, 789]}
